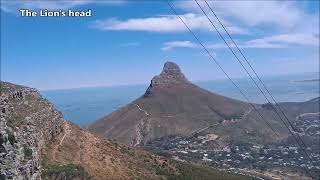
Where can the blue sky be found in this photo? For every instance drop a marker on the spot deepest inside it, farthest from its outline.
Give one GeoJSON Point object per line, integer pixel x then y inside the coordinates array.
{"type": "Point", "coordinates": [127, 42]}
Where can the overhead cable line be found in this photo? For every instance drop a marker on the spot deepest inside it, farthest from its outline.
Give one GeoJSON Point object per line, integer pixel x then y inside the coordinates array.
{"type": "Point", "coordinates": [218, 64]}
{"type": "Point", "coordinates": [263, 93]}
{"type": "Point", "coordinates": [251, 67]}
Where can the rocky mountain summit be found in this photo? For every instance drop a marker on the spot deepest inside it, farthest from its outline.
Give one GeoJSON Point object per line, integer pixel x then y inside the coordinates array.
{"type": "Point", "coordinates": [171, 74]}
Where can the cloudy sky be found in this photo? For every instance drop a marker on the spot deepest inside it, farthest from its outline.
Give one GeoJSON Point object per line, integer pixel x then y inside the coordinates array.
{"type": "Point", "coordinates": [127, 42]}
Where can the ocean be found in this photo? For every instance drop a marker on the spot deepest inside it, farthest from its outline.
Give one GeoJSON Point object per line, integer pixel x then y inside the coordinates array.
{"type": "Point", "coordinates": [85, 105]}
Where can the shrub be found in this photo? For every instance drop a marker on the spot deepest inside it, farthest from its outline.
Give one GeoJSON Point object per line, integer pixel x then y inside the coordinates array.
{"type": "Point", "coordinates": [187, 171]}
{"type": "Point", "coordinates": [27, 153]}
{"type": "Point", "coordinates": [11, 138]}
{"type": "Point", "coordinates": [68, 171]}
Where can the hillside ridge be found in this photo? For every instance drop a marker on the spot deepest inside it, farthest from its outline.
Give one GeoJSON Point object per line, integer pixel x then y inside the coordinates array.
{"type": "Point", "coordinates": [36, 142]}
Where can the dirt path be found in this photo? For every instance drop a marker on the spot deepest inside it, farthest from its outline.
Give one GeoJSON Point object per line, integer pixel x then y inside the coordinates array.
{"type": "Point", "coordinates": [202, 129]}
{"type": "Point", "coordinates": [141, 126]}
{"type": "Point", "coordinates": [144, 126]}
{"type": "Point", "coordinates": [247, 113]}
{"type": "Point", "coordinates": [144, 111]}
{"type": "Point", "coordinates": [66, 132]}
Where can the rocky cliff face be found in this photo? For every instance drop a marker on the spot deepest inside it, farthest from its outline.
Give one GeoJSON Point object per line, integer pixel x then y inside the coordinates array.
{"type": "Point", "coordinates": [171, 74]}
{"type": "Point", "coordinates": [28, 123]}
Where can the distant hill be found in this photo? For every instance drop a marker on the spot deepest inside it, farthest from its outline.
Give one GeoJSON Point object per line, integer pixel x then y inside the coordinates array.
{"type": "Point", "coordinates": [306, 80]}
{"type": "Point", "coordinates": [37, 142]}
{"type": "Point", "coordinates": [173, 106]}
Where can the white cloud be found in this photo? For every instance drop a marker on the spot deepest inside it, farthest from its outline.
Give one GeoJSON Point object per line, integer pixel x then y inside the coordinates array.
{"type": "Point", "coordinates": [14, 6]}
{"type": "Point", "coordinates": [283, 14]}
{"type": "Point", "coordinates": [249, 44]}
{"type": "Point", "coordinates": [262, 45]}
{"type": "Point", "coordinates": [164, 23]}
{"type": "Point", "coordinates": [293, 39]}
{"type": "Point", "coordinates": [275, 41]}
{"type": "Point", "coordinates": [286, 23]}
{"type": "Point", "coordinates": [178, 44]}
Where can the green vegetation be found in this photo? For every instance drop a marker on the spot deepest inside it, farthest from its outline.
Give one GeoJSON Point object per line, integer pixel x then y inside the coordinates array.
{"type": "Point", "coordinates": [186, 171]}
{"type": "Point", "coordinates": [67, 171]}
{"type": "Point", "coordinates": [62, 171]}
{"type": "Point", "coordinates": [127, 150]}
{"type": "Point", "coordinates": [45, 160]}
{"type": "Point", "coordinates": [27, 153]}
{"type": "Point", "coordinates": [11, 137]}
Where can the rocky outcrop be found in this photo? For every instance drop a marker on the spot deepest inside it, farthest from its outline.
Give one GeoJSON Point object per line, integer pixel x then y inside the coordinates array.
{"type": "Point", "coordinates": [171, 74]}
{"type": "Point", "coordinates": [28, 123]}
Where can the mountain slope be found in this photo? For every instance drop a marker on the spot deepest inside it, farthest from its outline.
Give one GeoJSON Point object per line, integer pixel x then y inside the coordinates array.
{"type": "Point", "coordinates": [36, 142]}
{"type": "Point", "coordinates": [173, 106]}
{"type": "Point", "coordinates": [33, 131]}
{"type": "Point", "coordinates": [102, 158]}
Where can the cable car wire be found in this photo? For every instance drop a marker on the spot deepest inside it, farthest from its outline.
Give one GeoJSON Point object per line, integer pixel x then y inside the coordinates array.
{"type": "Point", "coordinates": [218, 64]}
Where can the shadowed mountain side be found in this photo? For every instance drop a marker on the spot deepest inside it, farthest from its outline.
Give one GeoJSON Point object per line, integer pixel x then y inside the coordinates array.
{"type": "Point", "coordinates": [297, 108]}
